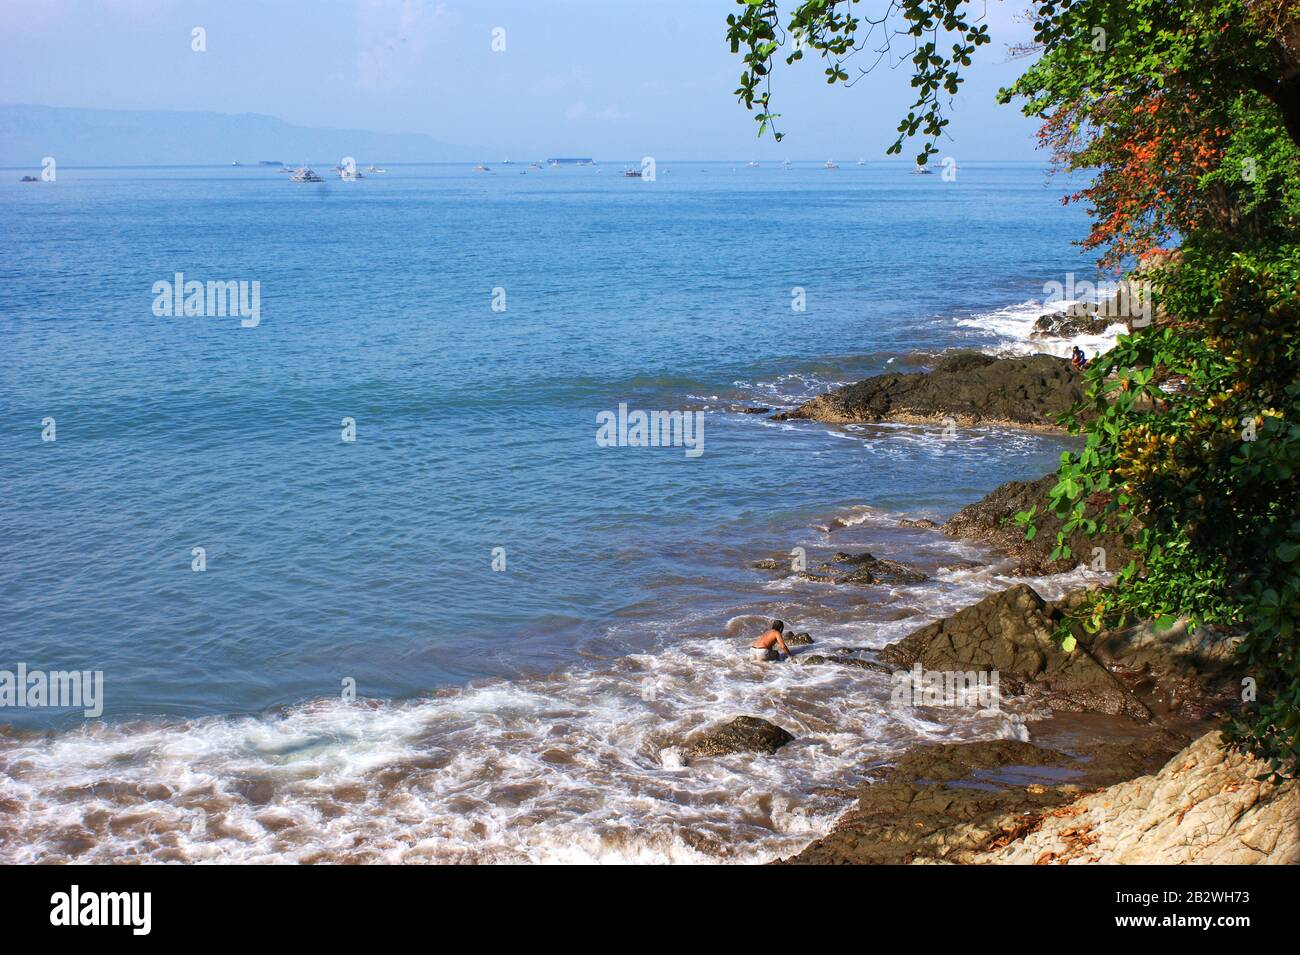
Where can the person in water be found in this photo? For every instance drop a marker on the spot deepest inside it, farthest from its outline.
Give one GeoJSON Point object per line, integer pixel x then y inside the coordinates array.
{"type": "Point", "coordinates": [764, 648]}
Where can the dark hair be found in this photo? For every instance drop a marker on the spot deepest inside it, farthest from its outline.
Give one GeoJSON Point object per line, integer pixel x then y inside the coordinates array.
{"type": "Point", "coordinates": [778, 626]}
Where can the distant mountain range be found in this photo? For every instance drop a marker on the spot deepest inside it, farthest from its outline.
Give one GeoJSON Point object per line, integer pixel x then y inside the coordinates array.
{"type": "Point", "coordinates": [110, 137]}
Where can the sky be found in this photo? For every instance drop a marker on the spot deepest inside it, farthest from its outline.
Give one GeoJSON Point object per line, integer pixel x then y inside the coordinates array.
{"type": "Point", "coordinates": [603, 78]}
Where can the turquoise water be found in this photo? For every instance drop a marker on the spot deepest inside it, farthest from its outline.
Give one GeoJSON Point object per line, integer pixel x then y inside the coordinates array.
{"type": "Point", "coordinates": [475, 428]}
{"type": "Point", "coordinates": [528, 713]}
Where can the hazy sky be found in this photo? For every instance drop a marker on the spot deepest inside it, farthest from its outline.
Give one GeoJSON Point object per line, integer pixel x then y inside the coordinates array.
{"type": "Point", "coordinates": [607, 78]}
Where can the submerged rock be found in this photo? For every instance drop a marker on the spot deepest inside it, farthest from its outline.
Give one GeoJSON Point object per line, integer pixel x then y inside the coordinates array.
{"type": "Point", "coordinates": [842, 660]}
{"type": "Point", "coordinates": [867, 569]}
{"type": "Point", "coordinates": [917, 522]}
{"type": "Point", "coordinates": [969, 387]}
{"type": "Point", "coordinates": [744, 734]}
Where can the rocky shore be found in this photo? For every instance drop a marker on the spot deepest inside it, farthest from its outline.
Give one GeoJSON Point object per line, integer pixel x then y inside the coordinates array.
{"type": "Point", "coordinates": [1127, 767]}
{"type": "Point", "coordinates": [970, 388]}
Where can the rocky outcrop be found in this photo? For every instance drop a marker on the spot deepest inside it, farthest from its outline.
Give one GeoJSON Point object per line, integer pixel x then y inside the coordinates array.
{"type": "Point", "coordinates": [1012, 632]}
{"type": "Point", "coordinates": [867, 569]}
{"type": "Point", "coordinates": [844, 568]}
{"type": "Point", "coordinates": [968, 387]}
{"type": "Point", "coordinates": [744, 734]}
{"type": "Point", "coordinates": [1081, 318]}
{"type": "Point", "coordinates": [840, 659]}
{"type": "Point", "coordinates": [1205, 806]}
{"type": "Point", "coordinates": [948, 802]}
{"type": "Point", "coordinates": [991, 520]}
{"type": "Point", "coordinates": [799, 640]}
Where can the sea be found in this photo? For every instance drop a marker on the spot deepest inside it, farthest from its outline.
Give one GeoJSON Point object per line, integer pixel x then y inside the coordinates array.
{"type": "Point", "coordinates": [360, 579]}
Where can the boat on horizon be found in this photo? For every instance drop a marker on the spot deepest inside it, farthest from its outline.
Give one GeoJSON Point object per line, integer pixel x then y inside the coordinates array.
{"type": "Point", "coordinates": [305, 174]}
{"type": "Point", "coordinates": [631, 173]}
{"type": "Point", "coordinates": [482, 168]}
{"type": "Point", "coordinates": [830, 164]}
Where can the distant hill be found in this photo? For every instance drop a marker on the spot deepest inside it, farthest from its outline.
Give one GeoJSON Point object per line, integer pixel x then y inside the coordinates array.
{"type": "Point", "coordinates": [110, 137]}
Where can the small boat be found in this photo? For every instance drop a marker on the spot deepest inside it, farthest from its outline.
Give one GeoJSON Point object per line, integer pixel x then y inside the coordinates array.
{"type": "Point", "coordinates": [632, 173]}
{"type": "Point", "coordinates": [752, 164]}
{"type": "Point", "coordinates": [372, 169]}
{"type": "Point", "coordinates": [534, 165]}
{"type": "Point", "coordinates": [830, 164]}
{"type": "Point", "coordinates": [29, 179]}
{"type": "Point", "coordinates": [349, 173]}
{"type": "Point", "coordinates": [236, 163]}
{"type": "Point", "coordinates": [862, 162]}
{"type": "Point", "coordinates": [481, 168]}
{"type": "Point", "coordinates": [304, 174]}
{"type": "Point", "coordinates": [787, 163]}
{"type": "Point", "coordinates": [505, 162]}
{"type": "Point", "coordinates": [922, 171]}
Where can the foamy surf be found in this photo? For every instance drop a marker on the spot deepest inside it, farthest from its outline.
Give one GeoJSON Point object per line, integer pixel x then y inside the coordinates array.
{"type": "Point", "coordinates": [1012, 329]}
{"type": "Point", "coordinates": [583, 765]}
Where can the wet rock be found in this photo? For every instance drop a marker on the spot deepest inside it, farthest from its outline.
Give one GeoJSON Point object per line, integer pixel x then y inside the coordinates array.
{"type": "Point", "coordinates": [867, 569]}
{"type": "Point", "coordinates": [798, 640]}
{"type": "Point", "coordinates": [1081, 318]}
{"type": "Point", "coordinates": [969, 387]}
{"type": "Point", "coordinates": [744, 734]}
{"type": "Point", "coordinates": [924, 522]}
{"type": "Point", "coordinates": [842, 660]}
{"type": "Point", "coordinates": [770, 563]}
{"type": "Point", "coordinates": [1012, 632]}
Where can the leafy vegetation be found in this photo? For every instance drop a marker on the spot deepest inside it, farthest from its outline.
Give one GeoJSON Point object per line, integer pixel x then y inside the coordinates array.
{"type": "Point", "coordinates": [1186, 113]}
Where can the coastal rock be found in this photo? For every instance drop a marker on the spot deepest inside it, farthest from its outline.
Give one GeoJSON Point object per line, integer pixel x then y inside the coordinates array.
{"type": "Point", "coordinates": [991, 520]}
{"type": "Point", "coordinates": [917, 522]}
{"type": "Point", "coordinates": [1189, 673]}
{"type": "Point", "coordinates": [799, 640]}
{"type": "Point", "coordinates": [969, 387]}
{"type": "Point", "coordinates": [1081, 318]}
{"type": "Point", "coordinates": [744, 734]}
{"type": "Point", "coordinates": [946, 802]}
{"type": "Point", "coordinates": [1205, 806]}
{"type": "Point", "coordinates": [1012, 632]}
{"type": "Point", "coordinates": [842, 660]}
{"type": "Point", "coordinates": [867, 569]}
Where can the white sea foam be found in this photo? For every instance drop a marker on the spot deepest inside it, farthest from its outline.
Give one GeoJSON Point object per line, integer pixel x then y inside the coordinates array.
{"type": "Point", "coordinates": [582, 765]}
{"type": "Point", "coordinates": [1012, 327]}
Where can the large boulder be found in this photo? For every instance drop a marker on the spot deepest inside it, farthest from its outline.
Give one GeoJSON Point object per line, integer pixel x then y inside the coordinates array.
{"type": "Point", "coordinates": [968, 387]}
{"type": "Point", "coordinates": [1012, 632]}
{"type": "Point", "coordinates": [867, 569]}
{"type": "Point", "coordinates": [744, 734]}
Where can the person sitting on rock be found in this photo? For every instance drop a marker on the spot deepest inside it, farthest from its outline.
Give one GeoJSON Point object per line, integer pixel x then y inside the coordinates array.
{"type": "Point", "coordinates": [764, 648]}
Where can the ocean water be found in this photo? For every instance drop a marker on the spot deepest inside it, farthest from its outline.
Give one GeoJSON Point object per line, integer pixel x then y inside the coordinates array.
{"type": "Point", "coordinates": [504, 714]}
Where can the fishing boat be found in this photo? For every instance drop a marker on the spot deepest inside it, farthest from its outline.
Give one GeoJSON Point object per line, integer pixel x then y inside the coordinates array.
{"type": "Point", "coordinates": [830, 164]}
{"type": "Point", "coordinates": [632, 173]}
{"type": "Point", "coordinates": [481, 168]}
{"type": "Point", "coordinates": [304, 174]}
{"type": "Point", "coordinates": [752, 164]}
